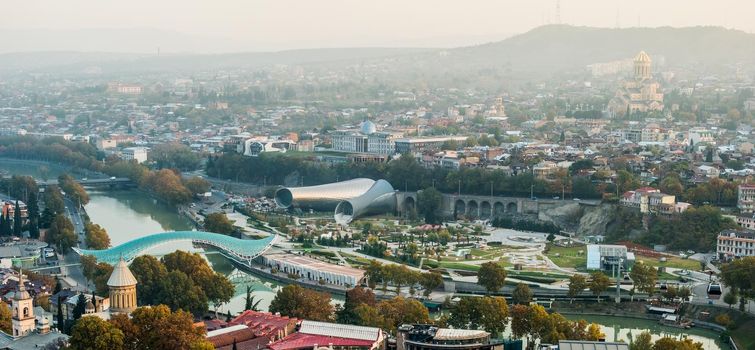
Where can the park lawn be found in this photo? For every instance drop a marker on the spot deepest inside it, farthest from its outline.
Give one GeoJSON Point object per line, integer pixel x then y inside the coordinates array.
{"type": "Point", "coordinates": [674, 262]}
{"type": "Point", "coordinates": [568, 257]}
{"type": "Point", "coordinates": [354, 259]}
{"type": "Point", "coordinates": [459, 266]}
{"type": "Point", "coordinates": [742, 334]}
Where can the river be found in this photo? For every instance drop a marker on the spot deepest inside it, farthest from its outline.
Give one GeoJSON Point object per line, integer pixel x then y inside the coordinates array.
{"type": "Point", "coordinates": [129, 214]}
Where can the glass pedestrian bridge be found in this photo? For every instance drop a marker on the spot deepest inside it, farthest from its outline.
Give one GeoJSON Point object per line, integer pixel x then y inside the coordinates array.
{"type": "Point", "coordinates": [241, 250]}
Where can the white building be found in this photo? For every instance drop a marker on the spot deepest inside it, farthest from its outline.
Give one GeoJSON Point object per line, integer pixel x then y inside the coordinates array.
{"type": "Point", "coordinates": [604, 256]}
{"type": "Point", "coordinates": [746, 198]}
{"type": "Point", "coordinates": [735, 244]}
{"type": "Point", "coordinates": [314, 270]}
{"type": "Point", "coordinates": [366, 140]}
{"type": "Point", "coordinates": [139, 154]}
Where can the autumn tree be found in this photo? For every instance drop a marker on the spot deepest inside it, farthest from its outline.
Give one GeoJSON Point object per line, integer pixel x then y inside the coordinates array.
{"type": "Point", "coordinates": [94, 333]}
{"type": "Point", "coordinates": [296, 301]}
{"type": "Point", "coordinates": [218, 223]}
{"type": "Point", "coordinates": [354, 298]}
{"type": "Point", "coordinates": [522, 294]}
{"type": "Point", "coordinates": [599, 283]}
{"type": "Point", "coordinates": [398, 311]}
{"type": "Point", "coordinates": [73, 189]}
{"type": "Point", "coordinates": [643, 341]}
{"type": "Point", "coordinates": [644, 277]}
{"type": "Point", "coordinates": [96, 236]}
{"type": "Point", "coordinates": [488, 313]}
{"type": "Point", "coordinates": [197, 185]}
{"type": "Point", "coordinates": [5, 319]}
{"type": "Point", "coordinates": [668, 343]}
{"type": "Point", "coordinates": [156, 327]}
{"type": "Point", "coordinates": [577, 284]}
{"type": "Point", "coordinates": [492, 276]}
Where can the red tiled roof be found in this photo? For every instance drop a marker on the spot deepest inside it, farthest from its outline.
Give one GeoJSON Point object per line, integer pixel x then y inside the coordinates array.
{"type": "Point", "coordinates": [306, 341]}
{"type": "Point", "coordinates": [227, 338]}
{"type": "Point", "coordinates": [264, 323]}
{"type": "Point", "coordinates": [251, 344]}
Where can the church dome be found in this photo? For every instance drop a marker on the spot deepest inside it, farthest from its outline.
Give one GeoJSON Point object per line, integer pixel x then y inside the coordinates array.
{"type": "Point", "coordinates": [642, 57]}
{"type": "Point", "coordinates": [121, 276]}
{"type": "Point", "coordinates": [368, 127]}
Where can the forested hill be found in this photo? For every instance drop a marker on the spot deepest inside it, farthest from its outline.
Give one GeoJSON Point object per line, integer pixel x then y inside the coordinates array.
{"type": "Point", "coordinates": [554, 48]}
{"type": "Point", "coordinates": [539, 53]}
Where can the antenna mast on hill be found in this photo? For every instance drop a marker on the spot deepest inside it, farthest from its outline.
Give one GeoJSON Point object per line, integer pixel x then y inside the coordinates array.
{"type": "Point", "coordinates": [558, 11]}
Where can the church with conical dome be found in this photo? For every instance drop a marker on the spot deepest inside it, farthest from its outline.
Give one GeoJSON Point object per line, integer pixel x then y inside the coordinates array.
{"type": "Point", "coordinates": [122, 286]}
{"type": "Point", "coordinates": [640, 93]}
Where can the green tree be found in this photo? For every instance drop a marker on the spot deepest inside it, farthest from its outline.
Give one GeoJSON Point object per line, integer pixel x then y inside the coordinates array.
{"type": "Point", "coordinates": [218, 223]}
{"type": "Point", "coordinates": [174, 155]}
{"type": "Point", "coordinates": [599, 283]}
{"type": "Point", "coordinates": [149, 273]}
{"type": "Point", "coordinates": [429, 203]}
{"type": "Point", "coordinates": [731, 298]}
{"type": "Point", "coordinates": [522, 294]}
{"type": "Point", "coordinates": [61, 234]}
{"type": "Point", "coordinates": [738, 275]}
{"type": "Point", "coordinates": [94, 333]}
{"type": "Point", "coordinates": [96, 236]}
{"type": "Point", "coordinates": [179, 292]}
{"type": "Point", "coordinates": [492, 276]}
{"type": "Point", "coordinates": [249, 302]}
{"type": "Point", "coordinates": [430, 281]}
{"type": "Point", "coordinates": [577, 284]}
{"type": "Point", "coordinates": [80, 308]}
{"type": "Point", "coordinates": [296, 301]}
{"type": "Point", "coordinates": [17, 220]}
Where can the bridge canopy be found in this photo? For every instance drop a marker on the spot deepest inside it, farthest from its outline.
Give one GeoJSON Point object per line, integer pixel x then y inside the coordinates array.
{"type": "Point", "coordinates": [241, 249]}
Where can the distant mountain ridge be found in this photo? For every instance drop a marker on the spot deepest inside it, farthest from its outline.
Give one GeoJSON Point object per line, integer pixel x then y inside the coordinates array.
{"type": "Point", "coordinates": [559, 47]}
{"type": "Point", "coordinates": [539, 53]}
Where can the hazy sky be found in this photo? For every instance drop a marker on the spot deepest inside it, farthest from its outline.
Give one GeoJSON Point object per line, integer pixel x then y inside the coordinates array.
{"type": "Point", "coordinates": [244, 25]}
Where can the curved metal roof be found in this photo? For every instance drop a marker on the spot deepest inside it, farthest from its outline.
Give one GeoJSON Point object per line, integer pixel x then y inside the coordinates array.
{"type": "Point", "coordinates": [242, 249]}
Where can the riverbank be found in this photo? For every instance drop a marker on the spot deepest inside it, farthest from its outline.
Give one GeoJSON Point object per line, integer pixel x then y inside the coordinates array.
{"type": "Point", "coordinates": [704, 316]}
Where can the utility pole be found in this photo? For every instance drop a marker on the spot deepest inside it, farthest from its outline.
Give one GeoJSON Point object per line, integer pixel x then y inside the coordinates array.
{"type": "Point", "coordinates": [532, 191]}
{"type": "Point", "coordinates": [618, 281]}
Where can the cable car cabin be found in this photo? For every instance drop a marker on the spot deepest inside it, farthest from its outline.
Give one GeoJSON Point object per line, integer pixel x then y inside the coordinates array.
{"type": "Point", "coordinates": [714, 290]}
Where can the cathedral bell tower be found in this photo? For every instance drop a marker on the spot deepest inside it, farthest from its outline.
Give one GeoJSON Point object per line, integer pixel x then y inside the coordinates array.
{"type": "Point", "coordinates": [642, 65]}
{"type": "Point", "coordinates": [23, 310]}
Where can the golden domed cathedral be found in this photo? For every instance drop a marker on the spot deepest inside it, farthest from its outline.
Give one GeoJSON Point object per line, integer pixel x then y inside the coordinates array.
{"type": "Point", "coordinates": [642, 93]}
